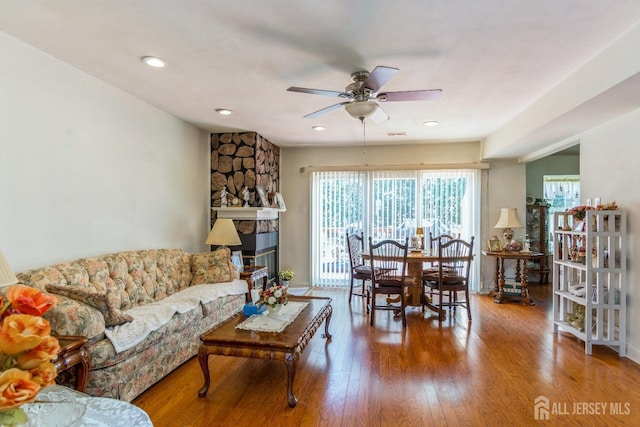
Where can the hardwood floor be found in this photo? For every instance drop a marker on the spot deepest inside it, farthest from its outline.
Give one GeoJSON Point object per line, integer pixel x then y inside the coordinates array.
{"type": "Point", "coordinates": [454, 373]}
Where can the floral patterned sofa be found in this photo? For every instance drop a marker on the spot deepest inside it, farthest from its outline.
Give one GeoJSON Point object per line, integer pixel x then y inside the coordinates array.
{"type": "Point", "coordinates": [142, 311]}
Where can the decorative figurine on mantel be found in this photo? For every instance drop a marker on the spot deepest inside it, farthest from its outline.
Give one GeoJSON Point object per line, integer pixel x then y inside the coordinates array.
{"type": "Point", "coordinates": [245, 197]}
{"type": "Point", "coordinates": [223, 197]}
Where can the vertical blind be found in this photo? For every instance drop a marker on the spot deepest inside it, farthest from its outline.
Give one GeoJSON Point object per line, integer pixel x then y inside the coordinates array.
{"type": "Point", "coordinates": [387, 205]}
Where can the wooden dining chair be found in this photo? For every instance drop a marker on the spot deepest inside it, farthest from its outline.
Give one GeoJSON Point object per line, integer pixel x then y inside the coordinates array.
{"type": "Point", "coordinates": [452, 276]}
{"type": "Point", "coordinates": [359, 270]}
{"type": "Point", "coordinates": [388, 262]}
{"type": "Point", "coordinates": [433, 245]}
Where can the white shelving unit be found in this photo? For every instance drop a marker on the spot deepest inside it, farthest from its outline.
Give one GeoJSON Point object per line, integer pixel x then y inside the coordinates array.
{"type": "Point", "coordinates": [594, 256]}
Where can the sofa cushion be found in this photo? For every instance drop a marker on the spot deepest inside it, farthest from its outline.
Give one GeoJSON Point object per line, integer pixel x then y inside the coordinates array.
{"type": "Point", "coordinates": [102, 301]}
{"type": "Point", "coordinates": [212, 267]}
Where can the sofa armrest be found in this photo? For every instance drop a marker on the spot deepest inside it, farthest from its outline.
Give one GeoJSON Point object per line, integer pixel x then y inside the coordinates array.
{"type": "Point", "coordinates": [71, 317]}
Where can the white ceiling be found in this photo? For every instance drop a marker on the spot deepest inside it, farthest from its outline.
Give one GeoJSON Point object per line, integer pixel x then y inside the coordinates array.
{"type": "Point", "coordinates": [491, 58]}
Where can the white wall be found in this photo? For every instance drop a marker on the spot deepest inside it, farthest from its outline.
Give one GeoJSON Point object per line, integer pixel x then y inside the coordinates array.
{"type": "Point", "coordinates": [86, 169]}
{"type": "Point", "coordinates": [505, 188]}
{"type": "Point", "coordinates": [609, 169]}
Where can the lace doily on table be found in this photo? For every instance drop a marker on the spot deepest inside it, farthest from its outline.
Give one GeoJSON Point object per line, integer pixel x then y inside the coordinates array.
{"type": "Point", "coordinates": [273, 322]}
{"type": "Point", "coordinates": [52, 406]}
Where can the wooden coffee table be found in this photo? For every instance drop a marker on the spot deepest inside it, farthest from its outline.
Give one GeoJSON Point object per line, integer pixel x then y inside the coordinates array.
{"type": "Point", "coordinates": [287, 346]}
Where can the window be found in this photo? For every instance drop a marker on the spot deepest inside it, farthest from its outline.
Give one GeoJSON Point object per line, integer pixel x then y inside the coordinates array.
{"type": "Point", "coordinates": [561, 193]}
{"type": "Point", "coordinates": [387, 205]}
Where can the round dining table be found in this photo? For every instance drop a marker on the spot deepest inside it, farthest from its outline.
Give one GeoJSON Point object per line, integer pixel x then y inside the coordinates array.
{"type": "Point", "coordinates": [415, 265]}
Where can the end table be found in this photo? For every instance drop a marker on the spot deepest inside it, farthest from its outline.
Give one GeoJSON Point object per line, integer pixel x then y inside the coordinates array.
{"type": "Point", "coordinates": [253, 273]}
{"type": "Point", "coordinates": [73, 354]}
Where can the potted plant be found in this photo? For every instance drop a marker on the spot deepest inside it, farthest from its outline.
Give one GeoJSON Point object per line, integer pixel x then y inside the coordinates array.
{"type": "Point", "coordinates": [286, 276]}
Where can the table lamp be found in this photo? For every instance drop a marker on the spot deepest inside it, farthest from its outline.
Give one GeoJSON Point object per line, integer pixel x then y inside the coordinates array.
{"type": "Point", "coordinates": [6, 274]}
{"type": "Point", "coordinates": [507, 221]}
{"type": "Point", "coordinates": [223, 233]}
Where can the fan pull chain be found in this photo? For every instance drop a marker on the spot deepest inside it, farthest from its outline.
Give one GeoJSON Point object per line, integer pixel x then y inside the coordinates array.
{"type": "Point", "coordinates": [364, 136]}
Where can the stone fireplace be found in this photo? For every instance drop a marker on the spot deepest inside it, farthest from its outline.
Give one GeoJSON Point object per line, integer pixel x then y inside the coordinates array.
{"type": "Point", "coordinates": [240, 160]}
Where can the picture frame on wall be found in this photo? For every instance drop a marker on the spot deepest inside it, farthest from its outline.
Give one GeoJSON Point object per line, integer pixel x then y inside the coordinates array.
{"type": "Point", "coordinates": [236, 258]}
{"type": "Point", "coordinates": [263, 196]}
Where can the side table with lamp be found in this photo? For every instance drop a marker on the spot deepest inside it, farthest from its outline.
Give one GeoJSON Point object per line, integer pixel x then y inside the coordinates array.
{"type": "Point", "coordinates": [511, 250]}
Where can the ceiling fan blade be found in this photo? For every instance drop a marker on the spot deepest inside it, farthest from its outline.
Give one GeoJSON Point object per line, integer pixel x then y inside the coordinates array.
{"type": "Point", "coordinates": [379, 115]}
{"type": "Point", "coordinates": [378, 77]}
{"type": "Point", "coordinates": [332, 93]}
{"type": "Point", "coordinates": [326, 110]}
{"type": "Point", "coordinates": [410, 95]}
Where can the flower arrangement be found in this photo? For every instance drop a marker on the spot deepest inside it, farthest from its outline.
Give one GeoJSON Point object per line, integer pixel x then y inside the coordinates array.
{"type": "Point", "coordinates": [26, 350]}
{"type": "Point", "coordinates": [287, 275]}
{"type": "Point", "coordinates": [273, 296]}
{"type": "Point", "coordinates": [579, 212]}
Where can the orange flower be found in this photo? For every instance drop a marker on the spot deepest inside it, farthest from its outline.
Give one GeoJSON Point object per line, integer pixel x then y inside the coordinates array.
{"type": "Point", "coordinates": [16, 388]}
{"type": "Point", "coordinates": [42, 353]}
{"type": "Point", "coordinates": [27, 300]}
{"type": "Point", "coordinates": [22, 332]}
{"type": "Point", "coordinates": [44, 374]}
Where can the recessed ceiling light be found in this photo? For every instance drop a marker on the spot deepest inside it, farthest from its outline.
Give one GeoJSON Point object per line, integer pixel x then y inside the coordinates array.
{"type": "Point", "coordinates": [154, 61]}
{"type": "Point", "coordinates": [319, 128]}
{"type": "Point", "coordinates": [224, 111]}
{"type": "Point", "coordinates": [431, 123]}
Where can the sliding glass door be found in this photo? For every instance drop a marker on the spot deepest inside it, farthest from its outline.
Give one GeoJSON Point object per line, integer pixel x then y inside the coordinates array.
{"type": "Point", "coordinates": [387, 205]}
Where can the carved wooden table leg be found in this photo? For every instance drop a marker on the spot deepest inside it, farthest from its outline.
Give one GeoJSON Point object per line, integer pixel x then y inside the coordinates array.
{"type": "Point", "coordinates": [525, 285]}
{"type": "Point", "coordinates": [500, 266]}
{"type": "Point", "coordinates": [203, 359]}
{"type": "Point", "coordinates": [326, 334]}
{"type": "Point", "coordinates": [291, 361]}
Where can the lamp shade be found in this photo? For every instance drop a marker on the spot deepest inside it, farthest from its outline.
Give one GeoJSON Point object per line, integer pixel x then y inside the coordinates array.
{"type": "Point", "coordinates": [223, 233]}
{"type": "Point", "coordinates": [6, 274]}
{"type": "Point", "coordinates": [509, 219]}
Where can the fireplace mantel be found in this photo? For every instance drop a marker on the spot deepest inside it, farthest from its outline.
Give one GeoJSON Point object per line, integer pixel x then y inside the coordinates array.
{"type": "Point", "coordinates": [248, 213]}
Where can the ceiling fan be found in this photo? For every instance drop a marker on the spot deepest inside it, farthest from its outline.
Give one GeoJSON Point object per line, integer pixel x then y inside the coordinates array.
{"type": "Point", "coordinates": [362, 94]}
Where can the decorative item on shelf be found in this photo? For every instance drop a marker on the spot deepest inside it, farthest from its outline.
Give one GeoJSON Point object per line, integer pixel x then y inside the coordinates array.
{"type": "Point", "coordinates": [271, 198]}
{"type": "Point", "coordinates": [579, 212]}
{"type": "Point", "coordinates": [280, 201]}
{"type": "Point", "coordinates": [611, 206]}
{"type": "Point", "coordinates": [507, 221]}
{"type": "Point", "coordinates": [576, 319]}
{"type": "Point", "coordinates": [223, 233]}
{"type": "Point", "coordinates": [513, 246]}
{"type": "Point", "coordinates": [577, 252]}
{"type": "Point", "coordinates": [494, 244]}
{"type": "Point", "coordinates": [273, 297]}
{"type": "Point", "coordinates": [262, 195]}
{"type": "Point", "coordinates": [26, 348]}
{"type": "Point", "coordinates": [245, 197]}
{"type": "Point", "coordinates": [224, 197]}
{"type": "Point", "coordinates": [286, 276]}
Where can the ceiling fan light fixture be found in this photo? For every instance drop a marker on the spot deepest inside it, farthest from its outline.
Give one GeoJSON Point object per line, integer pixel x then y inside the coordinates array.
{"type": "Point", "coordinates": [361, 109]}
